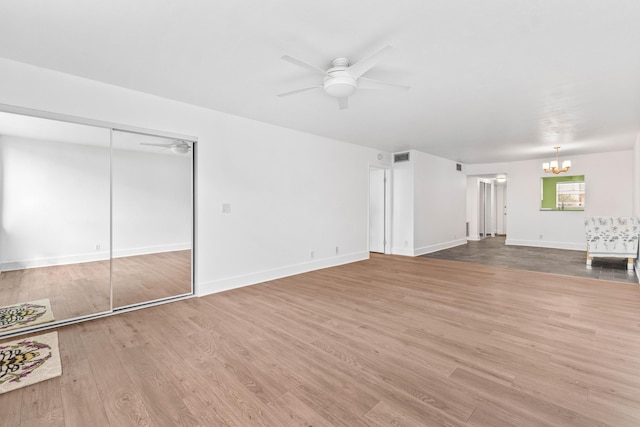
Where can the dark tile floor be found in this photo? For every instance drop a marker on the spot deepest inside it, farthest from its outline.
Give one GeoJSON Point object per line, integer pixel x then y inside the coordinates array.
{"type": "Point", "coordinates": [493, 251]}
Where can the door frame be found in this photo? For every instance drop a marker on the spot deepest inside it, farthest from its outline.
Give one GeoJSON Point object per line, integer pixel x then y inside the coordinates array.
{"type": "Point", "coordinates": [387, 205]}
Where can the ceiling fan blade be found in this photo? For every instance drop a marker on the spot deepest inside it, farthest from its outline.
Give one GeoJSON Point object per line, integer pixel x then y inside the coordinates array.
{"type": "Point", "coordinates": [293, 92]}
{"type": "Point", "coordinates": [303, 64]}
{"type": "Point", "coordinates": [364, 65]}
{"type": "Point", "coordinates": [365, 83]}
{"type": "Point", "coordinates": [157, 145]}
{"type": "Point", "coordinates": [343, 103]}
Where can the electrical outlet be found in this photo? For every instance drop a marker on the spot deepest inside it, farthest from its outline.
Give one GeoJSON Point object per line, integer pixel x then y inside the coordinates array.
{"type": "Point", "coordinates": [313, 254]}
{"type": "Point", "coordinates": [98, 247]}
{"type": "Point", "coordinates": [337, 250]}
{"type": "Point", "coordinates": [541, 237]}
{"type": "Point", "coordinates": [226, 208]}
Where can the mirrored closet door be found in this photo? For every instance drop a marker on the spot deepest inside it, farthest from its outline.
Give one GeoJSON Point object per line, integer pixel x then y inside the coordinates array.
{"type": "Point", "coordinates": [92, 220]}
{"type": "Point", "coordinates": [54, 230]}
{"type": "Point", "coordinates": [152, 218]}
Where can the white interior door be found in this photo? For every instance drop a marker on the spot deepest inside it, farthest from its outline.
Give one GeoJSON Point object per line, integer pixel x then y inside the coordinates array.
{"type": "Point", "coordinates": [481, 210]}
{"type": "Point", "coordinates": [504, 213]}
{"type": "Point", "coordinates": [376, 209]}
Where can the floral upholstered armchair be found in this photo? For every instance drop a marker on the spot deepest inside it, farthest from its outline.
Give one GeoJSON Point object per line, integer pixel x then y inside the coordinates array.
{"type": "Point", "coordinates": [615, 237]}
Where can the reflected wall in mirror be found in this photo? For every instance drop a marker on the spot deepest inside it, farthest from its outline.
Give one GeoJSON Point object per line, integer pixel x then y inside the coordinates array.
{"type": "Point", "coordinates": [562, 193]}
{"type": "Point", "coordinates": [54, 221]}
{"type": "Point", "coordinates": [92, 219]}
{"type": "Point", "coordinates": [152, 218]}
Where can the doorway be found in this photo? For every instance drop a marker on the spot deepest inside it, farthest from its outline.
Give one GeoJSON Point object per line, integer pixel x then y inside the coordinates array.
{"type": "Point", "coordinates": [485, 205]}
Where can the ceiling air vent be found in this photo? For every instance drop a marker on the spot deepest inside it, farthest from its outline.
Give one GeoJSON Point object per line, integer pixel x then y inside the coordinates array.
{"type": "Point", "coordinates": [401, 157]}
{"type": "Point", "coordinates": [458, 167]}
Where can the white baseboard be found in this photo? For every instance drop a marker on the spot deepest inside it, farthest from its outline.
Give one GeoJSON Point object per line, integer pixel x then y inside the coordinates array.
{"type": "Point", "coordinates": [52, 261]}
{"type": "Point", "coordinates": [90, 257]}
{"type": "Point", "coordinates": [228, 283]}
{"type": "Point", "coordinates": [475, 238]}
{"type": "Point", "coordinates": [548, 244]}
{"type": "Point", "coordinates": [431, 248]}
{"type": "Point", "coordinates": [440, 246]}
{"type": "Point", "coordinates": [402, 251]}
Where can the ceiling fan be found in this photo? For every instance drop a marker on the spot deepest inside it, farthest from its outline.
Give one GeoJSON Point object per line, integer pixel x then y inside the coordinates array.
{"type": "Point", "coordinates": [178, 147]}
{"type": "Point", "coordinates": [342, 79]}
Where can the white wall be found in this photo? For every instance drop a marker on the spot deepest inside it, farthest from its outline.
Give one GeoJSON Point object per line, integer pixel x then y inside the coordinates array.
{"type": "Point", "coordinates": [291, 192]}
{"type": "Point", "coordinates": [429, 205]}
{"type": "Point", "coordinates": [440, 203]}
{"type": "Point", "coordinates": [636, 177]}
{"type": "Point", "coordinates": [403, 208]}
{"type": "Point", "coordinates": [608, 192]}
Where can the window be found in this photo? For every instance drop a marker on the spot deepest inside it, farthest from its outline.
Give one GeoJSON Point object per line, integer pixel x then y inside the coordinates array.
{"type": "Point", "coordinates": [569, 195]}
{"type": "Point", "coordinates": [562, 193]}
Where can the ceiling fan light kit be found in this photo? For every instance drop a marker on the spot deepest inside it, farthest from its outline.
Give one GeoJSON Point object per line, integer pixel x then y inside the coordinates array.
{"type": "Point", "coordinates": [342, 79]}
{"type": "Point", "coordinates": [338, 82]}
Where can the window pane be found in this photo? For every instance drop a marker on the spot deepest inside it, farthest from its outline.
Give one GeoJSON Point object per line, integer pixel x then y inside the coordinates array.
{"type": "Point", "coordinates": [570, 195]}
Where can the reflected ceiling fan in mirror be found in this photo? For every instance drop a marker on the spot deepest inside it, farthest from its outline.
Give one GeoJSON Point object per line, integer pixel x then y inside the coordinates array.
{"type": "Point", "coordinates": [178, 147]}
{"type": "Point", "coordinates": [342, 79]}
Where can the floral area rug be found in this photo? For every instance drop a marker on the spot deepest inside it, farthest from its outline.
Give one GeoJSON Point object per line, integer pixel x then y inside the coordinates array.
{"type": "Point", "coordinates": [28, 361]}
{"type": "Point", "coordinates": [25, 314]}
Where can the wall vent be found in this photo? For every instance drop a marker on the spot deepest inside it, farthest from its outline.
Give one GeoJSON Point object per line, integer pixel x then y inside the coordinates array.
{"type": "Point", "coordinates": [401, 157]}
{"type": "Point", "coordinates": [458, 167]}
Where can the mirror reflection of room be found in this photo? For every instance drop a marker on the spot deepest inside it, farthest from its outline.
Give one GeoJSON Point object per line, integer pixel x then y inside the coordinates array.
{"type": "Point", "coordinates": [54, 234]}
{"type": "Point", "coordinates": [152, 218]}
{"type": "Point", "coordinates": [67, 191]}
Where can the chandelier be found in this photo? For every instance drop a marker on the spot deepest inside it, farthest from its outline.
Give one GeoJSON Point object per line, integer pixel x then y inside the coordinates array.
{"type": "Point", "coordinates": [553, 165]}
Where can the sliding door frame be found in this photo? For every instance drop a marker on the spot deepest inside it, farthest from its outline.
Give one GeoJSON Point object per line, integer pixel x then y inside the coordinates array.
{"type": "Point", "coordinates": [111, 126]}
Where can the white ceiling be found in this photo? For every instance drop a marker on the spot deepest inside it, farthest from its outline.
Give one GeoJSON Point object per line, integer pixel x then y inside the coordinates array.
{"type": "Point", "coordinates": [491, 80]}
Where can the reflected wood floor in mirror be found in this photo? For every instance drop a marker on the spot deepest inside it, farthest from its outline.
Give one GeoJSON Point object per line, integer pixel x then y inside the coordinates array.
{"type": "Point", "coordinates": [73, 289]}
{"type": "Point", "coordinates": [388, 341]}
{"type": "Point", "coordinates": [150, 277]}
{"type": "Point", "coordinates": [83, 289]}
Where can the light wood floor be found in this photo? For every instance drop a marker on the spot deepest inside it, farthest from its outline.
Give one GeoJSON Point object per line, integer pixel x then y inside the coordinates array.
{"type": "Point", "coordinates": [388, 341]}
{"type": "Point", "coordinates": [82, 289]}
